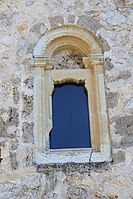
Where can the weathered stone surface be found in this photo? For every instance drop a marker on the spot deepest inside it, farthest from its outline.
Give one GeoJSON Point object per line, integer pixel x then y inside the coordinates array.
{"type": "Point", "coordinates": [28, 159]}
{"type": "Point", "coordinates": [13, 117]}
{"type": "Point", "coordinates": [27, 105]}
{"type": "Point", "coordinates": [113, 18]}
{"type": "Point", "coordinates": [124, 75]}
{"type": "Point", "coordinates": [39, 28]}
{"type": "Point", "coordinates": [71, 19]}
{"type": "Point", "coordinates": [107, 64]}
{"type": "Point", "coordinates": [29, 2]}
{"type": "Point", "coordinates": [29, 82]}
{"type": "Point", "coordinates": [119, 157]}
{"type": "Point", "coordinates": [13, 144]}
{"type": "Point", "coordinates": [124, 126]}
{"type": "Point", "coordinates": [112, 99]}
{"type": "Point", "coordinates": [73, 167]}
{"type": "Point", "coordinates": [68, 59]}
{"type": "Point", "coordinates": [56, 21]}
{"type": "Point", "coordinates": [21, 24]}
{"type": "Point", "coordinates": [28, 66]}
{"type": "Point", "coordinates": [129, 104]}
{"type": "Point", "coordinates": [30, 48]}
{"type": "Point", "coordinates": [12, 132]}
{"type": "Point", "coordinates": [16, 93]}
{"type": "Point", "coordinates": [27, 129]}
{"type": "Point", "coordinates": [76, 191]}
{"type": "Point", "coordinates": [3, 132]}
{"type": "Point", "coordinates": [104, 43]}
{"type": "Point", "coordinates": [89, 23]}
{"type": "Point", "coordinates": [13, 159]}
{"type": "Point", "coordinates": [120, 3]}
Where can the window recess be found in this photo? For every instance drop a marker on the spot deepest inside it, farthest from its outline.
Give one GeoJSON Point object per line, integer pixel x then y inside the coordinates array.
{"type": "Point", "coordinates": [70, 116]}
{"type": "Point", "coordinates": [47, 82]}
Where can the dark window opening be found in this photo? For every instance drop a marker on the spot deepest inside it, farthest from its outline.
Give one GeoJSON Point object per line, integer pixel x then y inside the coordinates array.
{"type": "Point", "coordinates": [71, 128]}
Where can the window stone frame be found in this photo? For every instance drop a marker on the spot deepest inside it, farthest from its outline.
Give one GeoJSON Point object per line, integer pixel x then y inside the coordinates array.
{"type": "Point", "coordinates": [45, 76]}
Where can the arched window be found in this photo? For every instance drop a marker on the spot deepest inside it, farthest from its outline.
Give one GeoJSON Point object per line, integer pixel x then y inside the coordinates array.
{"type": "Point", "coordinates": [66, 55]}
{"type": "Point", "coordinates": [70, 113]}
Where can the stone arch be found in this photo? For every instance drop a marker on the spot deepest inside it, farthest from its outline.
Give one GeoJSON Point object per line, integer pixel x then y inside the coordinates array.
{"type": "Point", "coordinates": [72, 36]}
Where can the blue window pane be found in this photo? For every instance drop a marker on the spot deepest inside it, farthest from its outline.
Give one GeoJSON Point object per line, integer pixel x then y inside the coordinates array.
{"type": "Point", "coordinates": [70, 117]}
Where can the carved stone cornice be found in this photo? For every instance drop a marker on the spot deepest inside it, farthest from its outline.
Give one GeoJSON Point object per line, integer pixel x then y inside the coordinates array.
{"type": "Point", "coordinates": [96, 59]}
{"type": "Point", "coordinates": [40, 61]}
{"type": "Point", "coordinates": [93, 59]}
{"type": "Point", "coordinates": [87, 62]}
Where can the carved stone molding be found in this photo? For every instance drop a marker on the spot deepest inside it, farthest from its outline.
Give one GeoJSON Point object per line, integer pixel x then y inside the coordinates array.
{"type": "Point", "coordinates": [92, 75]}
{"type": "Point", "coordinates": [40, 61]}
{"type": "Point", "coordinates": [72, 35]}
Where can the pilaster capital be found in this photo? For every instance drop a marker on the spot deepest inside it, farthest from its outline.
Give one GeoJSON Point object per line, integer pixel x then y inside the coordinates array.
{"type": "Point", "coordinates": [87, 62]}
{"type": "Point", "coordinates": [44, 62]}
{"type": "Point", "coordinates": [92, 60]}
{"type": "Point", "coordinates": [96, 59]}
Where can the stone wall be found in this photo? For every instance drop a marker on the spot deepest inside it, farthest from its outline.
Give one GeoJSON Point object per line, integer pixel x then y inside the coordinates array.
{"type": "Point", "coordinates": [22, 23]}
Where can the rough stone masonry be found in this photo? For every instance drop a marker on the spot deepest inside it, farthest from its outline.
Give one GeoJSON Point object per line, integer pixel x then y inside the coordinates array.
{"type": "Point", "coordinates": [22, 23]}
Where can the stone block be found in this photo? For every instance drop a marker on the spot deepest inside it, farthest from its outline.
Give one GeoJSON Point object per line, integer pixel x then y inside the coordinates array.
{"type": "Point", "coordinates": [30, 48]}
{"type": "Point", "coordinates": [124, 75]}
{"type": "Point", "coordinates": [112, 99]}
{"type": "Point", "coordinates": [29, 2]}
{"type": "Point", "coordinates": [38, 28]}
{"type": "Point", "coordinates": [124, 126]}
{"type": "Point", "coordinates": [56, 21]}
{"type": "Point", "coordinates": [12, 132]}
{"type": "Point", "coordinates": [27, 129]}
{"type": "Point", "coordinates": [13, 117]}
{"type": "Point", "coordinates": [89, 23]}
{"type": "Point", "coordinates": [129, 104]}
{"type": "Point", "coordinates": [27, 105]}
{"type": "Point", "coordinates": [119, 156]}
{"type": "Point", "coordinates": [13, 160]}
{"type": "Point", "coordinates": [14, 144]}
{"type": "Point", "coordinates": [120, 3]}
{"type": "Point", "coordinates": [3, 132]}
{"type": "Point", "coordinates": [107, 64]}
{"type": "Point", "coordinates": [16, 94]}
{"type": "Point", "coordinates": [71, 19]}
{"type": "Point", "coordinates": [29, 82]}
{"type": "Point", "coordinates": [27, 157]}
